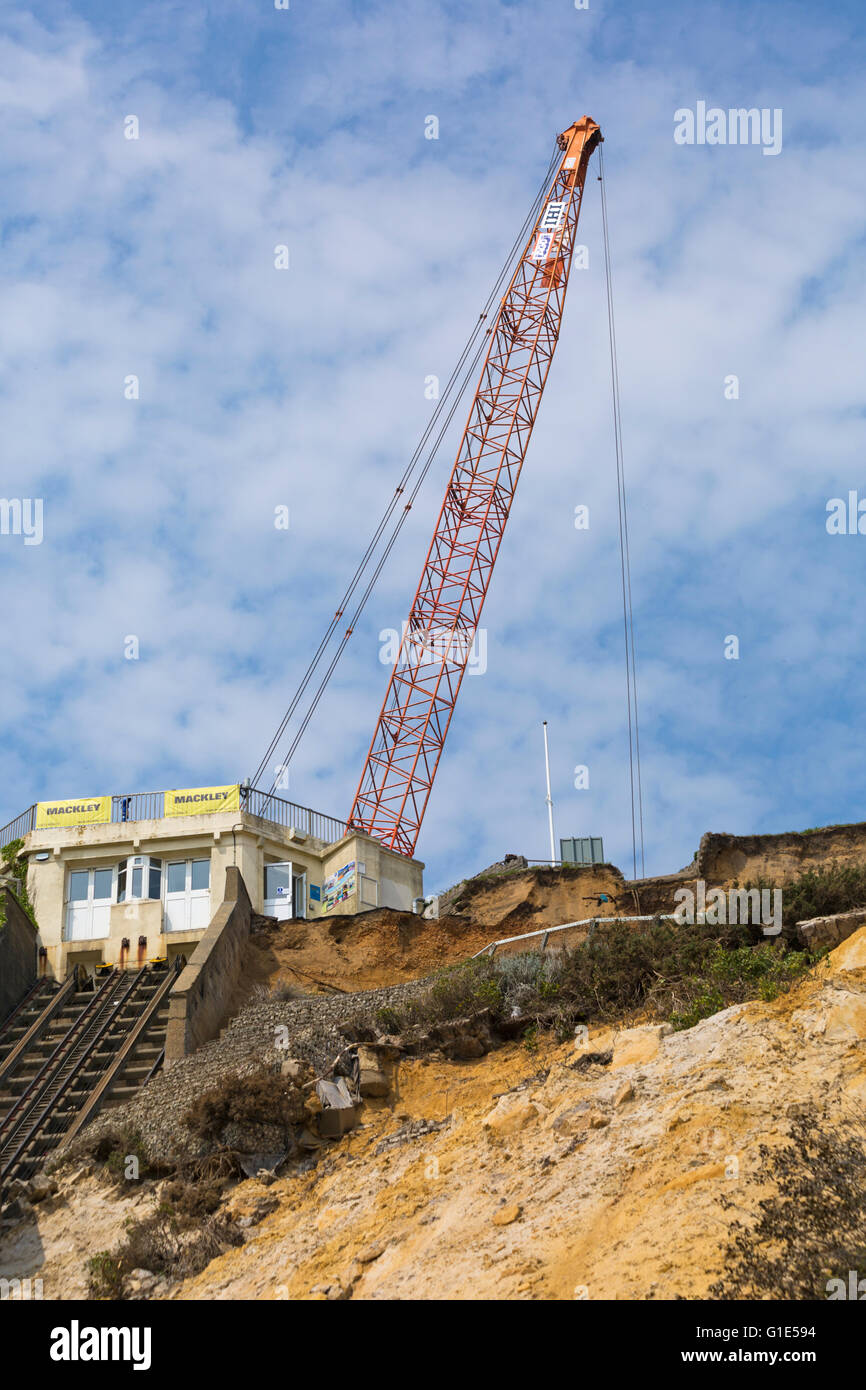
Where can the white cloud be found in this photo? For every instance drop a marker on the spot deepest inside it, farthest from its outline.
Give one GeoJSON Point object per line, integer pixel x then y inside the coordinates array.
{"type": "Point", "coordinates": [258, 387]}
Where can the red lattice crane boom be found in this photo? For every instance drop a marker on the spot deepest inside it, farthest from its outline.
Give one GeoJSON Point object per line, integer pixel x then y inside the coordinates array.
{"type": "Point", "coordinates": [398, 774]}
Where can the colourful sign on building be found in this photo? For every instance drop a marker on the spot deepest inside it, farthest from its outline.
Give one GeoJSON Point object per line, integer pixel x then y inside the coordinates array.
{"type": "Point", "coordinates": [339, 886]}
{"type": "Point", "coordinates": [84, 810]}
{"type": "Point", "coordinates": [195, 801]}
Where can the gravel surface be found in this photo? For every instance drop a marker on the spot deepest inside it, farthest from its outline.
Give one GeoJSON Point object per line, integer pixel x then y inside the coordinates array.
{"type": "Point", "coordinates": [265, 1032]}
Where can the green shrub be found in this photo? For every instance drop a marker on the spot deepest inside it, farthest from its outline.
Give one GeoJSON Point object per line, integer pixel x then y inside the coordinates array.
{"type": "Point", "coordinates": [463, 989]}
{"type": "Point", "coordinates": [809, 1229]}
{"type": "Point", "coordinates": [15, 868]}
{"type": "Point", "coordinates": [104, 1276]}
{"type": "Point", "coordinates": [678, 972]}
{"type": "Point", "coordinates": [388, 1020]}
{"type": "Point", "coordinates": [824, 891]}
{"type": "Point", "coordinates": [708, 1002]}
{"type": "Point", "coordinates": [114, 1148]}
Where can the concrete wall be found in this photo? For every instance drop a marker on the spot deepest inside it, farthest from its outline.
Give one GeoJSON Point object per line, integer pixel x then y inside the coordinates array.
{"type": "Point", "coordinates": [398, 881]}
{"type": "Point", "coordinates": [18, 945]}
{"type": "Point", "coordinates": [200, 999]}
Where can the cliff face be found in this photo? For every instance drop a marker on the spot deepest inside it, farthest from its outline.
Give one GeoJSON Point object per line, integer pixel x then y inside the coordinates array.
{"type": "Point", "coordinates": [594, 1170]}
{"type": "Point", "coordinates": [597, 1168]}
{"type": "Point", "coordinates": [383, 947]}
{"type": "Point", "coordinates": [778, 858]}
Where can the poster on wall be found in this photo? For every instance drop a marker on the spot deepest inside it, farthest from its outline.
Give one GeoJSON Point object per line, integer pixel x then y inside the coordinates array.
{"type": "Point", "coordinates": [339, 886]}
{"type": "Point", "coordinates": [93, 810]}
{"type": "Point", "coordinates": [192, 801]}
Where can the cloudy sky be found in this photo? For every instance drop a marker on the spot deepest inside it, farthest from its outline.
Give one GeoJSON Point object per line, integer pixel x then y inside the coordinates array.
{"type": "Point", "coordinates": [258, 387]}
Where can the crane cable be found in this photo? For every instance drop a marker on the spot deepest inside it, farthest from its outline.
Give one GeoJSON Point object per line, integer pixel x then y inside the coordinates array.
{"type": "Point", "coordinates": [372, 581]}
{"type": "Point", "coordinates": [625, 562]}
{"type": "Point", "coordinates": [460, 371]}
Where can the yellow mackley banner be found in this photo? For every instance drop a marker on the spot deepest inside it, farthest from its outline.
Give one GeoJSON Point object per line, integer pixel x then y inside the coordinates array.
{"type": "Point", "coordinates": [84, 810]}
{"type": "Point", "coordinates": [193, 801]}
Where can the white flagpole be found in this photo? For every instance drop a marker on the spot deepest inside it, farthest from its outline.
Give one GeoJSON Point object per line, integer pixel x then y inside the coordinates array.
{"type": "Point", "coordinates": [549, 800]}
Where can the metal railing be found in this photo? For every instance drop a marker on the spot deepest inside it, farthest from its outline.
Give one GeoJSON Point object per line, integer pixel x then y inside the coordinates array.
{"type": "Point", "coordinates": [544, 932]}
{"type": "Point", "coordinates": [137, 806]}
{"type": "Point", "coordinates": [287, 813]}
{"type": "Point", "coordinates": [18, 827]}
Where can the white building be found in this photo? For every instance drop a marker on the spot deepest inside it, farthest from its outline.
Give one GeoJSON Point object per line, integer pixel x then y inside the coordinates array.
{"type": "Point", "coordinates": [124, 879]}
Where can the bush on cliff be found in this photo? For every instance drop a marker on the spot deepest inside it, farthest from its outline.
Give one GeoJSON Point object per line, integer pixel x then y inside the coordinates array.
{"type": "Point", "coordinates": [679, 973]}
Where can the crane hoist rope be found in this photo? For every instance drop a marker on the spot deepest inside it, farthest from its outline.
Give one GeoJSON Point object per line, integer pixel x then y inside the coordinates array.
{"type": "Point", "coordinates": [625, 560]}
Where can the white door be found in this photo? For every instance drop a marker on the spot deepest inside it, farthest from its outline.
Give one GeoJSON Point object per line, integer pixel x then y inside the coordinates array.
{"type": "Point", "coordinates": [278, 891]}
{"type": "Point", "coordinates": [88, 906]}
{"type": "Point", "coordinates": [299, 894]}
{"type": "Point", "coordinates": [187, 895]}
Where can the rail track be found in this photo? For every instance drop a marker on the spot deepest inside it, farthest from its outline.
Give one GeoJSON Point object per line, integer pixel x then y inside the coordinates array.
{"type": "Point", "coordinates": [67, 1051]}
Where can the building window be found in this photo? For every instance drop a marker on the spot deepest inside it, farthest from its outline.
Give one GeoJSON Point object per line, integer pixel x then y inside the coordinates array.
{"type": "Point", "coordinates": [79, 883]}
{"type": "Point", "coordinates": [175, 881]}
{"type": "Point", "coordinates": [102, 881]}
{"type": "Point", "coordinates": [200, 874]}
{"type": "Point", "coordinates": [187, 875]}
{"type": "Point", "coordinates": [139, 877]}
{"type": "Point", "coordinates": [187, 895]}
{"type": "Point", "coordinates": [88, 904]}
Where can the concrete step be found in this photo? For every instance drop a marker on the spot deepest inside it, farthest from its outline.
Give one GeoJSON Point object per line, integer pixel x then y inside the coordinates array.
{"type": "Point", "coordinates": [15, 1034]}
{"type": "Point", "coordinates": [122, 1092]}
{"type": "Point", "coordinates": [135, 1073]}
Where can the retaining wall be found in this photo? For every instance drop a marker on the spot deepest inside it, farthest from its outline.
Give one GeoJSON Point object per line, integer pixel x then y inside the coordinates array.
{"type": "Point", "coordinates": [200, 999]}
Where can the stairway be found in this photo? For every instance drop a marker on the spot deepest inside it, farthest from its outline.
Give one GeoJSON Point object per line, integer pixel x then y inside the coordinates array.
{"type": "Point", "coordinates": [67, 1053]}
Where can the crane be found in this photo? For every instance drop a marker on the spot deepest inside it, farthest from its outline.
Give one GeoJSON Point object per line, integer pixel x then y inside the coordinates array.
{"type": "Point", "coordinates": [422, 691]}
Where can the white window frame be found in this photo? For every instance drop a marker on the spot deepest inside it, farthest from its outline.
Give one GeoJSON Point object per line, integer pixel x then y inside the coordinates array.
{"type": "Point", "coordinates": [145, 862]}
{"type": "Point", "coordinates": [89, 903]}
{"type": "Point", "coordinates": [187, 898]}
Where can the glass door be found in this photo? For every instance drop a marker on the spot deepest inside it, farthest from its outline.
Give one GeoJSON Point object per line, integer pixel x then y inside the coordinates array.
{"type": "Point", "coordinates": [299, 894]}
{"type": "Point", "coordinates": [278, 891]}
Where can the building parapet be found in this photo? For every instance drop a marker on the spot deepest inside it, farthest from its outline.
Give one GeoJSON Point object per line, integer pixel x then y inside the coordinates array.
{"type": "Point", "coordinates": [152, 806]}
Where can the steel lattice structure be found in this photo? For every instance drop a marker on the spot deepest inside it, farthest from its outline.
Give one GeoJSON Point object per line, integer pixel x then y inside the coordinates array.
{"type": "Point", "coordinates": [404, 754]}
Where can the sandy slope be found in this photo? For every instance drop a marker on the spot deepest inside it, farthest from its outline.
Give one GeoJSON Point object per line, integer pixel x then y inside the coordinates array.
{"type": "Point", "coordinates": [598, 1183]}
{"type": "Point", "coordinates": [552, 1177]}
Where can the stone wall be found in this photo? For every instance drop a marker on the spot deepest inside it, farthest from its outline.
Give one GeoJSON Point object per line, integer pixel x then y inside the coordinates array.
{"type": "Point", "coordinates": [200, 999]}
{"type": "Point", "coordinates": [18, 944]}
{"type": "Point", "coordinates": [819, 932]}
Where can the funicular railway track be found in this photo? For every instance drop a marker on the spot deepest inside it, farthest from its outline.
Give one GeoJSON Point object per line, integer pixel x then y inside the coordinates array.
{"type": "Point", "coordinates": [60, 1062]}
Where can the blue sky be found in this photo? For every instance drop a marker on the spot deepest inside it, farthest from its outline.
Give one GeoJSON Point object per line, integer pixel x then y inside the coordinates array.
{"type": "Point", "coordinates": [306, 387]}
